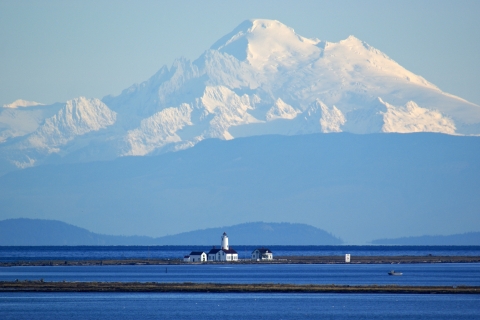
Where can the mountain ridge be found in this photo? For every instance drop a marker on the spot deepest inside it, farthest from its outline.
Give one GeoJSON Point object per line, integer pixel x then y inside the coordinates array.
{"type": "Point", "coordinates": [235, 89]}
{"type": "Point", "coordinates": [38, 232]}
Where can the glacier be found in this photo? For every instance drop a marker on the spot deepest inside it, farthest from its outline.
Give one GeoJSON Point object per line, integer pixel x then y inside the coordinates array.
{"type": "Point", "coordinates": [261, 78]}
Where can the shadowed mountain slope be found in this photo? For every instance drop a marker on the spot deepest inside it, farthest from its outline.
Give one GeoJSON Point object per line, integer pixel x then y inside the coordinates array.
{"type": "Point", "coordinates": [359, 187]}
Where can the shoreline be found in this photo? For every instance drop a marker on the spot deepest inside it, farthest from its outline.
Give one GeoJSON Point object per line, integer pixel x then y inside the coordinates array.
{"type": "Point", "coordinates": [277, 260]}
{"type": "Point", "coordinates": [188, 287]}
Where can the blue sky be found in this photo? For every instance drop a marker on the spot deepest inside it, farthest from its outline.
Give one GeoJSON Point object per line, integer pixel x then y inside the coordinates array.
{"type": "Point", "coordinates": [53, 50]}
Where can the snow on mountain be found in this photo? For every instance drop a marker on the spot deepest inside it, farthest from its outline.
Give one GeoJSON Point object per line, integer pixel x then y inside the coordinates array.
{"type": "Point", "coordinates": [22, 103]}
{"type": "Point", "coordinates": [268, 45]}
{"type": "Point", "coordinates": [23, 117]}
{"type": "Point", "coordinates": [226, 109]}
{"type": "Point", "coordinates": [319, 118]}
{"type": "Point", "coordinates": [332, 119]}
{"type": "Point", "coordinates": [281, 110]}
{"type": "Point", "coordinates": [385, 117]}
{"type": "Point", "coordinates": [412, 118]}
{"type": "Point", "coordinates": [261, 78]}
{"type": "Point", "coordinates": [158, 130]}
{"type": "Point", "coordinates": [76, 118]}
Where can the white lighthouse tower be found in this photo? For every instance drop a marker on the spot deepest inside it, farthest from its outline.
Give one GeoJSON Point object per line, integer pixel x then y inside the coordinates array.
{"type": "Point", "coordinates": [224, 241]}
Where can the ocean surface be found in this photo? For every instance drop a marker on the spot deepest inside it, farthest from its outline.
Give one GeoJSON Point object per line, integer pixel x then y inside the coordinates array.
{"type": "Point", "coordinates": [236, 306]}
{"type": "Point", "coordinates": [13, 253]}
{"type": "Point", "coordinates": [451, 274]}
{"type": "Point", "coordinates": [23, 305]}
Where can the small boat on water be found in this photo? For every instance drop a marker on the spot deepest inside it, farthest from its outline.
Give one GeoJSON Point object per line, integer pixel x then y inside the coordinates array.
{"type": "Point", "coordinates": [394, 273]}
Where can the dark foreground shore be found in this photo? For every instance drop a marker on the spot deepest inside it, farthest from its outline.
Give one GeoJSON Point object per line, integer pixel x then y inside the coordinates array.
{"type": "Point", "coordinates": [40, 286]}
{"type": "Point", "coordinates": [277, 260]}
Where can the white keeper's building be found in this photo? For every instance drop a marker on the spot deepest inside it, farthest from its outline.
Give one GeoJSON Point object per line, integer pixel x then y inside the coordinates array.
{"type": "Point", "coordinates": [195, 256]}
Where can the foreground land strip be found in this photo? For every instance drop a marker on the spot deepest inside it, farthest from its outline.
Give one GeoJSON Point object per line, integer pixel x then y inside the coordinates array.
{"type": "Point", "coordinates": [277, 260]}
{"type": "Point", "coordinates": [41, 286]}
{"type": "Point", "coordinates": [382, 259]}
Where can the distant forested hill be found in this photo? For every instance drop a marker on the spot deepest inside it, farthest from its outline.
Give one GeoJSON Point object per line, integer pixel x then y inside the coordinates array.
{"type": "Point", "coordinates": [257, 233]}
{"type": "Point", "coordinates": [466, 239]}
{"type": "Point", "coordinates": [36, 232]}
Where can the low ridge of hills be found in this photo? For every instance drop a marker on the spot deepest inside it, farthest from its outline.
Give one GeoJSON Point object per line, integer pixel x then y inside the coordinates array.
{"type": "Point", "coordinates": [37, 232]}
{"type": "Point", "coordinates": [464, 239]}
{"type": "Point", "coordinates": [258, 233]}
{"type": "Point", "coordinates": [358, 187]}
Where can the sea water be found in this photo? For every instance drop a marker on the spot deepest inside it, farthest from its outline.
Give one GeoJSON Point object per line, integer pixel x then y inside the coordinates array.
{"type": "Point", "coordinates": [451, 274]}
{"type": "Point", "coordinates": [236, 306]}
{"type": "Point", "coordinates": [24, 305]}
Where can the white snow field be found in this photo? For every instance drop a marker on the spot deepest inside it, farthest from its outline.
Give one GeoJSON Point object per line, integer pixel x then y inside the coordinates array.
{"type": "Point", "coordinates": [261, 78]}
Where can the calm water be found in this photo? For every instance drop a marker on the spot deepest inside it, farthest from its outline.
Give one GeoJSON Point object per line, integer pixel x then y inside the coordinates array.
{"type": "Point", "coordinates": [413, 274]}
{"type": "Point", "coordinates": [242, 306]}
{"type": "Point", "coordinates": [237, 306]}
{"type": "Point", "coordinates": [176, 252]}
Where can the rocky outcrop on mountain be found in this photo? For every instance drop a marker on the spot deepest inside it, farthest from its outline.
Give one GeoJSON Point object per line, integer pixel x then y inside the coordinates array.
{"type": "Point", "coordinates": [76, 118]}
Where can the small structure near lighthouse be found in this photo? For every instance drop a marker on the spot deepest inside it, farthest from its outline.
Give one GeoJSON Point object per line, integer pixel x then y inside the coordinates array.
{"type": "Point", "coordinates": [225, 253]}
{"type": "Point", "coordinates": [262, 254]}
{"type": "Point", "coordinates": [196, 256]}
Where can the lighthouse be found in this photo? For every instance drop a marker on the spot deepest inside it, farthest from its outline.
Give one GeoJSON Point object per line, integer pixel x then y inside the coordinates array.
{"type": "Point", "coordinates": [224, 241]}
{"type": "Point", "coordinates": [225, 253]}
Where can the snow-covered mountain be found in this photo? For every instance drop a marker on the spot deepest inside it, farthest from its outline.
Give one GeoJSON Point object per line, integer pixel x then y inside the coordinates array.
{"type": "Point", "coordinates": [261, 78]}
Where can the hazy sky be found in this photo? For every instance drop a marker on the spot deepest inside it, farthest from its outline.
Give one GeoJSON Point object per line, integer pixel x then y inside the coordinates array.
{"type": "Point", "coordinates": [53, 51]}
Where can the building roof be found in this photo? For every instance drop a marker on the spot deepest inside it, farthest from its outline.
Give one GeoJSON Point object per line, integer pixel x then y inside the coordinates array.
{"type": "Point", "coordinates": [186, 256]}
{"type": "Point", "coordinates": [263, 250]}
{"type": "Point", "coordinates": [196, 253]}
{"type": "Point", "coordinates": [215, 251]}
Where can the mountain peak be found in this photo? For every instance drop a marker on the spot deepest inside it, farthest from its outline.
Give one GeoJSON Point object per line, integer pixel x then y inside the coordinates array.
{"type": "Point", "coordinates": [266, 43]}
{"type": "Point", "coordinates": [261, 78]}
{"type": "Point", "coordinates": [352, 38]}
